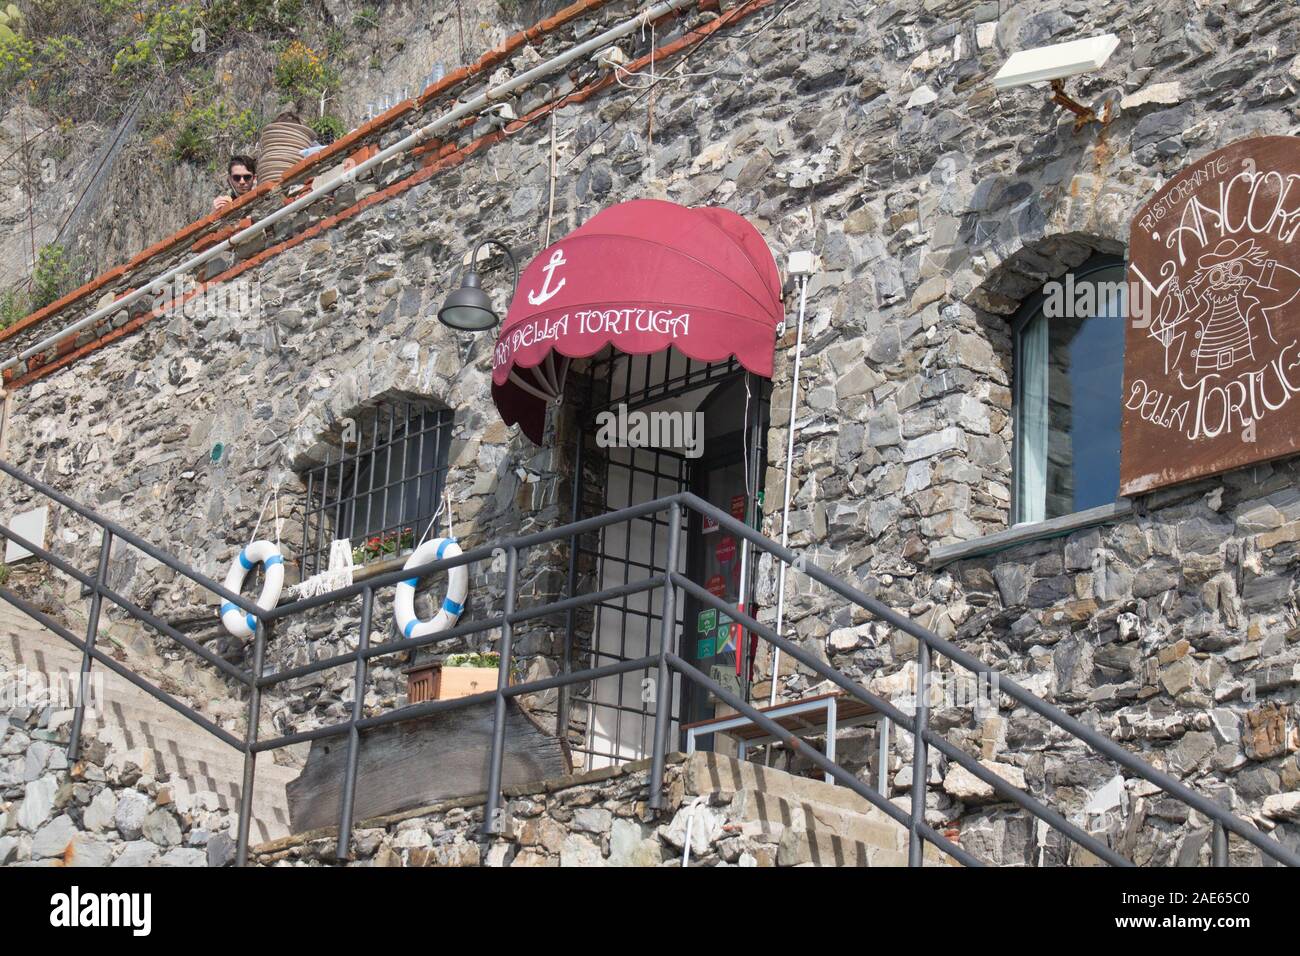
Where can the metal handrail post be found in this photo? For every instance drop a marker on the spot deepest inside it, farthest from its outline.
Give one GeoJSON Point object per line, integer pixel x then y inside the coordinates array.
{"type": "Point", "coordinates": [1220, 847]}
{"type": "Point", "coordinates": [344, 849]}
{"type": "Point", "coordinates": [490, 809]}
{"type": "Point", "coordinates": [250, 739]}
{"type": "Point", "coordinates": [663, 692]}
{"type": "Point", "coordinates": [920, 768]}
{"type": "Point", "coordinates": [92, 634]}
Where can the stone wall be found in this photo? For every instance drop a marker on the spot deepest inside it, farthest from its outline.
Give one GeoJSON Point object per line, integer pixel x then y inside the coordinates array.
{"type": "Point", "coordinates": [871, 133]}
{"type": "Point", "coordinates": [599, 818]}
{"type": "Point", "coordinates": [109, 808]}
{"type": "Point", "coordinates": [730, 813]}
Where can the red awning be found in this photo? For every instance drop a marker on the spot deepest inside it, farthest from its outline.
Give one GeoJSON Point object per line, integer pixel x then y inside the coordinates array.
{"type": "Point", "coordinates": [641, 276]}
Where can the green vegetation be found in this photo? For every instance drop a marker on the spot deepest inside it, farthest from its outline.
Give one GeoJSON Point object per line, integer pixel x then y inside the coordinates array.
{"type": "Point", "coordinates": [389, 544]}
{"type": "Point", "coordinates": [171, 32]}
{"type": "Point", "coordinates": [84, 58]}
{"type": "Point", "coordinates": [367, 18]}
{"type": "Point", "coordinates": [336, 42]}
{"type": "Point", "coordinates": [486, 659]}
{"type": "Point", "coordinates": [205, 133]}
{"type": "Point", "coordinates": [301, 75]}
{"type": "Point", "coordinates": [54, 276]}
{"type": "Point", "coordinates": [13, 306]}
{"type": "Point", "coordinates": [16, 51]}
{"type": "Point", "coordinates": [4, 575]}
{"type": "Point", "coordinates": [328, 128]}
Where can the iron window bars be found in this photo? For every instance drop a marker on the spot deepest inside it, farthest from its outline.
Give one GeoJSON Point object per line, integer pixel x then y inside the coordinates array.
{"type": "Point", "coordinates": [383, 489]}
{"type": "Point", "coordinates": [665, 661]}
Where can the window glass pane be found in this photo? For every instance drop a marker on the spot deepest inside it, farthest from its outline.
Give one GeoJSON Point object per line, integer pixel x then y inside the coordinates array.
{"type": "Point", "coordinates": [1031, 420]}
{"type": "Point", "coordinates": [1068, 397]}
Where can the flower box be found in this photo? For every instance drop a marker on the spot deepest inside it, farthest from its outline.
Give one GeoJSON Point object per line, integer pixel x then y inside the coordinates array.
{"type": "Point", "coordinates": [443, 681]}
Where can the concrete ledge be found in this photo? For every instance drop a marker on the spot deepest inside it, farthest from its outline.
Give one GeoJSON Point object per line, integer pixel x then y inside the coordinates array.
{"type": "Point", "coordinates": [1023, 534]}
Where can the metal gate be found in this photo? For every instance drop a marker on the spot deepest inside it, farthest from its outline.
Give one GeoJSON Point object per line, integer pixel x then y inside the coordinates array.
{"type": "Point", "coordinates": [620, 709]}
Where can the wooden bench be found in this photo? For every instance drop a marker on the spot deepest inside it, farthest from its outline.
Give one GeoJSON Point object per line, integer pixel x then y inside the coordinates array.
{"type": "Point", "coordinates": [810, 717]}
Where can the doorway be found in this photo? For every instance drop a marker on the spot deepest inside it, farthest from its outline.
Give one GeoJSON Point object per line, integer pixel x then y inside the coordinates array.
{"type": "Point", "coordinates": [725, 477]}
{"type": "Point", "coordinates": [729, 406]}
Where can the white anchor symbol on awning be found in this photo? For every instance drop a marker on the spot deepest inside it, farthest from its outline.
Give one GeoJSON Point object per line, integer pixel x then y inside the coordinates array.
{"type": "Point", "coordinates": [557, 259]}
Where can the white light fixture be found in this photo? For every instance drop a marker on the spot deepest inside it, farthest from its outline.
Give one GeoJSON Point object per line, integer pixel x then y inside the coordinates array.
{"type": "Point", "coordinates": [29, 525]}
{"type": "Point", "coordinates": [1052, 64]}
{"type": "Point", "coordinates": [802, 263]}
{"type": "Point", "coordinates": [611, 57]}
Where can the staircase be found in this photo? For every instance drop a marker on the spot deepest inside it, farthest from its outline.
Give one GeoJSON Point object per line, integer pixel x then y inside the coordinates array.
{"type": "Point", "coordinates": [808, 822]}
{"type": "Point", "coordinates": [203, 773]}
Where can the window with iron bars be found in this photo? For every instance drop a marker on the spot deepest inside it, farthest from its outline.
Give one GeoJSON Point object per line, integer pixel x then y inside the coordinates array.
{"type": "Point", "coordinates": [383, 489]}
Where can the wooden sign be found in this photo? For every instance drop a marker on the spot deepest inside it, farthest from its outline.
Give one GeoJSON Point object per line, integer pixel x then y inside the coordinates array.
{"type": "Point", "coordinates": [1212, 348]}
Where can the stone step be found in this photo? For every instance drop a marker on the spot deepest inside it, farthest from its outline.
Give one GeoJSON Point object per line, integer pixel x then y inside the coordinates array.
{"type": "Point", "coordinates": [173, 734]}
{"type": "Point", "coordinates": [201, 770]}
{"type": "Point", "coordinates": [197, 766]}
{"type": "Point", "coordinates": [132, 708]}
{"type": "Point", "coordinates": [792, 813]}
{"type": "Point", "coordinates": [814, 823]}
{"type": "Point", "coordinates": [713, 773]}
{"type": "Point", "coordinates": [53, 655]}
{"type": "Point", "coordinates": [124, 704]}
{"type": "Point", "coordinates": [273, 817]}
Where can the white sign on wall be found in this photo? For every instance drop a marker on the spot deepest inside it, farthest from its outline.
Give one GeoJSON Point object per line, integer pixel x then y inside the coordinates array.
{"type": "Point", "coordinates": [31, 526]}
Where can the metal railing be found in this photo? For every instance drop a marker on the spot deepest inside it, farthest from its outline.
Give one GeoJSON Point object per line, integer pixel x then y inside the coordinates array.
{"type": "Point", "coordinates": [666, 661]}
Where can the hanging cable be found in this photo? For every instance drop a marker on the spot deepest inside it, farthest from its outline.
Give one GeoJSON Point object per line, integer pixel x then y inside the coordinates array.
{"type": "Point", "coordinates": [650, 108]}
{"type": "Point", "coordinates": [747, 37]}
{"type": "Point", "coordinates": [750, 507]}
{"type": "Point", "coordinates": [550, 203]}
{"type": "Point", "coordinates": [789, 468]}
{"type": "Point", "coordinates": [272, 496]}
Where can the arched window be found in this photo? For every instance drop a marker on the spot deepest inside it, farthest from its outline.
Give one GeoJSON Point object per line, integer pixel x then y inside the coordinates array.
{"type": "Point", "coordinates": [1069, 370]}
{"type": "Point", "coordinates": [381, 487]}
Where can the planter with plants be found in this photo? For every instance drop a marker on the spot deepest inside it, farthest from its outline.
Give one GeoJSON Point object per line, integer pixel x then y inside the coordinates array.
{"type": "Point", "coordinates": [456, 675]}
{"type": "Point", "coordinates": [383, 546]}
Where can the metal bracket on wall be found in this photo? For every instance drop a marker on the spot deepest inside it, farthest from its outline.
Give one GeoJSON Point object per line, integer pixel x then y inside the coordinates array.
{"type": "Point", "coordinates": [1083, 115]}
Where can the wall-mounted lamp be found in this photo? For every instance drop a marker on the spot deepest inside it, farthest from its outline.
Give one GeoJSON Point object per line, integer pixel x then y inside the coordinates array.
{"type": "Point", "coordinates": [469, 308]}
{"type": "Point", "coordinates": [1052, 64]}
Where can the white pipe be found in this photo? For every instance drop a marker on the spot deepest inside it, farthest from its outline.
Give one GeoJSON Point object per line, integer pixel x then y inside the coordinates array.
{"type": "Point", "coordinates": [789, 466]}
{"type": "Point", "coordinates": [401, 146]}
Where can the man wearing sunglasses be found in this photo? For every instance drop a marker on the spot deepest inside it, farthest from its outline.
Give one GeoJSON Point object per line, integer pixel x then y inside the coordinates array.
{"type": "Point", "coordinates": [242, 176]}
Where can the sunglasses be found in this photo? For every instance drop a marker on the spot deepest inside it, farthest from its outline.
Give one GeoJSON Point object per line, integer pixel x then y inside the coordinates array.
{"type": "Point", "coordinates": [241, 179]}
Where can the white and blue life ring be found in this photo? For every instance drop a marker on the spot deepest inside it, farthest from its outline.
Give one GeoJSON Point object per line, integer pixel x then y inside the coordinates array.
{"type": "Point", "coordinates": [452, 604]}
{"type": "Point", "coordinates": [238, 622]}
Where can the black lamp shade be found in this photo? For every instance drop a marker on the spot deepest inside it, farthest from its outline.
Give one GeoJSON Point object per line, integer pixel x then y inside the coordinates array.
{"type": "Point", "coordinates": [468, 308]}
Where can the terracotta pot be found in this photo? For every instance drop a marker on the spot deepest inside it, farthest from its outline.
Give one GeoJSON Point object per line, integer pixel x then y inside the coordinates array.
{"type": "Point", "coordinates": [280, 146]}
